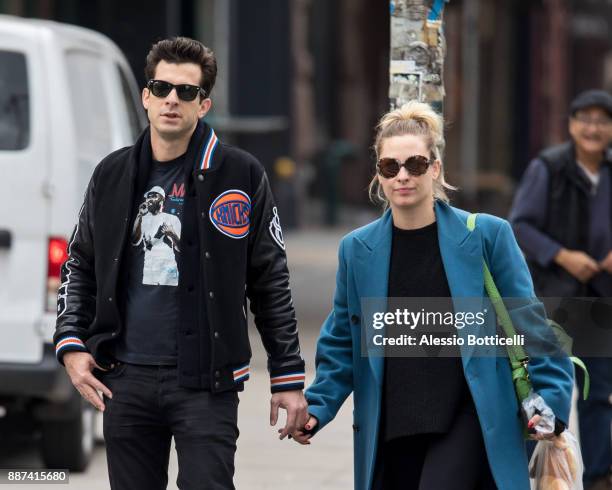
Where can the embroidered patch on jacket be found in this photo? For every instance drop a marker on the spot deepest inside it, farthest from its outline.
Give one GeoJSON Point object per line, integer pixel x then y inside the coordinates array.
{"type": "Point", "coordinates": [275, 229]}
{"type": "Point", "coordinates": [230, 213]}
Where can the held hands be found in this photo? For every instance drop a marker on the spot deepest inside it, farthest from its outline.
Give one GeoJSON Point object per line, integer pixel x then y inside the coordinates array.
{"type": "Point", "coordinates": [303, 436]}
{"type": "Point", "coordinates": [580, 265]}
{"type": "Point", "coordinates": [297, 410]}
{"type": "Point", "coordinates": [79, 366]}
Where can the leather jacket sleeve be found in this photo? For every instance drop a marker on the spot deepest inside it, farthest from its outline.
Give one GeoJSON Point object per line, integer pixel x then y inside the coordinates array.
{"type": "Point", "coordinates": [76, 299]}
{"type": "Point", "coordinates": [270, 295]}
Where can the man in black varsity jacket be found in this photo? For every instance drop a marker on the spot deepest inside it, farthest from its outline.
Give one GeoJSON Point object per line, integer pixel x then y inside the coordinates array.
{"type": "Point", "coordinates": [174, 234]}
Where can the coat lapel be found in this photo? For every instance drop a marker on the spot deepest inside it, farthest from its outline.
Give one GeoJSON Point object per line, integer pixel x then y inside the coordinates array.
{"type": "Point", "coordinates": [372, 255]}
{"type": "Point", "coordinates": [462, 256]}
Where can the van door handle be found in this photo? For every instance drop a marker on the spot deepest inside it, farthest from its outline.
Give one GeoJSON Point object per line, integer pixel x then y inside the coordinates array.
{"type": "Point", "coordinates": [6, 239]}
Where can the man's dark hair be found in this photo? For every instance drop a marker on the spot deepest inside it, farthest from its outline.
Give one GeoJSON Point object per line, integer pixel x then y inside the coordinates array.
{"type": "Point", "coordinates": [184, 50]}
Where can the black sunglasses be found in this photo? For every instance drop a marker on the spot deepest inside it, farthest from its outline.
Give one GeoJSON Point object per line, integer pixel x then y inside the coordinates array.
{"type": "Point", "coordinates": [415, 165]}
{"type": "Point", "coordinates": [184, 91]}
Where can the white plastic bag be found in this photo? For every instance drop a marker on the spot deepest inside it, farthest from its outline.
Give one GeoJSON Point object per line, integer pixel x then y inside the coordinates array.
{"type": "Point", "coordinates": [557, 464]}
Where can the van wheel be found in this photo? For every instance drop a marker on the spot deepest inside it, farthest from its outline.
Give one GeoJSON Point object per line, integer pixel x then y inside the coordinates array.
{"type": "Point", "coordinates": [68, 444]}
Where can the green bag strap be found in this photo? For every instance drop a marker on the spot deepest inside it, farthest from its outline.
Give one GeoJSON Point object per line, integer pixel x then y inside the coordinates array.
{"type": "Point", "coordinates": [517, 354]}
{"type": "Point", "coordinates": [587, 378]}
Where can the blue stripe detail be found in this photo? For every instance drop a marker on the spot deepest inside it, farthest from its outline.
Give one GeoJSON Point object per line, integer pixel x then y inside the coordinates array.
{"type": "Point", "coordinates": [73, 346]}
{"type": "Point", "coordinates": [201, 159]}
{"type": "Point", "coordinates": [212, 153]}
{"type": "Point", "coordinates": [291, 385]}
{"type": "Point", "coordinates": [299, 373]}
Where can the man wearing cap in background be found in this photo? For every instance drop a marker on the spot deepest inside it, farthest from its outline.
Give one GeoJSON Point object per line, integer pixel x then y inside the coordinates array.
{"type": "Point", "coordinates": [562, 218]}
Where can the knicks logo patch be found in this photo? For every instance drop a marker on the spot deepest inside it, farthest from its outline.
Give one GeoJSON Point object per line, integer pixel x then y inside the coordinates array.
{"type": "Point", "coordinates": [230, 213]}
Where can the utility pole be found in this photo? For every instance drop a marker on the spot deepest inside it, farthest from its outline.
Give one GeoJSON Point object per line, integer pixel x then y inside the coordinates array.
{"type": "Point", "coordinates": [418, 47]}
{"type": "Point", "coordinates": [471, 100]}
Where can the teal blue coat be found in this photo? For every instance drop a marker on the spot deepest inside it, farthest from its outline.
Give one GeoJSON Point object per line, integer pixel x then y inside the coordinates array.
{"type": "Point", "coordinates": [363, 272]}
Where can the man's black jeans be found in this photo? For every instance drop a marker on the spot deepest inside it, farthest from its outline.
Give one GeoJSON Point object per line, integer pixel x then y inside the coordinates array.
{"type": "Point", "coordinates": [148, 408]}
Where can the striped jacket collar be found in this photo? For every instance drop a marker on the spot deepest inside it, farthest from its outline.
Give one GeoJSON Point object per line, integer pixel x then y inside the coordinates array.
{"type": "Point", "coordinates": [210, 155]}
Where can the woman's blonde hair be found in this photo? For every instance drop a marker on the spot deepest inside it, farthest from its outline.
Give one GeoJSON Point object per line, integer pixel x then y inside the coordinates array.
{"type": "Point", "coordinates": [419, 119]}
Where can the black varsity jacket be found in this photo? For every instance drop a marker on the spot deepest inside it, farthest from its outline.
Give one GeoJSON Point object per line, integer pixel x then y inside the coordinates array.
{"type": "Point", "coordinates": [241, 254]}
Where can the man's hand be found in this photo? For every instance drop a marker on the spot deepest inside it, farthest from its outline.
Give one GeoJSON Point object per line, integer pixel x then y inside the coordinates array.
{"type": "Point", "coordinates": [606, 264]}
{"type": "Point", "coordinates": [303, 436]}
{"type": "Point", "coordinates": [578, 264]}
{"type": "Point", "coordinates": [79, 366]}
{"type": "Point", "coordinates": [297, 410]}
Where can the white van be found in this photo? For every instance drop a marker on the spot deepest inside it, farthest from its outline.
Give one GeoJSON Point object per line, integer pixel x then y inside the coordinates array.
{"type": "Point", "coordinates": [67, 99]}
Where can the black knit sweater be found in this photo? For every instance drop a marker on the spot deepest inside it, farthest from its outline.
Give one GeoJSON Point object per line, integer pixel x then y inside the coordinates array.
{"type": "Point", "coordinates": [421, 394]}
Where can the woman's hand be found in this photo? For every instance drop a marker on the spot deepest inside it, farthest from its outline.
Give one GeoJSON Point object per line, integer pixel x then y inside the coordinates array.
{"type": "Point", "coordinates": [539, 436]}
{"type": "Point", "coordinates": [304, 434]}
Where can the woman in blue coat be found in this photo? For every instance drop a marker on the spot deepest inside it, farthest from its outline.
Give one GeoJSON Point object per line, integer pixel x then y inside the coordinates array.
{"type": "Point", "coordinates": [429, 423]}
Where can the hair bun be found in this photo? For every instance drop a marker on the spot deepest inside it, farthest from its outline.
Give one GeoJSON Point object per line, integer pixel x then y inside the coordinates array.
{"type": "Point", "coordinates": [421, 114]}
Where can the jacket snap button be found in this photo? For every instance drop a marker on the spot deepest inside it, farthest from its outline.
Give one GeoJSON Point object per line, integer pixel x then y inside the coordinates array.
{"type": "Point", "coordinates": [217, 384]}
{"type": "Point", "coordinates": [355, 319]}
{"type": "Point", "coordinates": [216, 335]}
{"type": "Point", "coordinates": [207, 255]}
{"type": "Point", "coordinates": [201, 178]}
{"type": "Point", "coordinates": [217, 374]}
{"type": "Point", "coordinates": [203, 215]}
{"type": "Point", "coordinates": [110, 300]}
{"type": "Point", "coordinates": [211, 295]}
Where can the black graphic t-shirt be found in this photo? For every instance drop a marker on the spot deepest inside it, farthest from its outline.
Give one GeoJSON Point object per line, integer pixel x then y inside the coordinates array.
{"type": "Point", "coordinates": [152, 312]}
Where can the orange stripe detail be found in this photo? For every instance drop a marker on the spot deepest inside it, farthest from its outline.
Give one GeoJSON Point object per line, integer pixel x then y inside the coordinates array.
{"type": "Point", "coordinates": [208, 150]}
{"type": "Point", "coordinates": [241, 372]}
{"type": "Point", "coordinates": [69, 341]}
{"type": "Point", "coordinates": [288, 378]}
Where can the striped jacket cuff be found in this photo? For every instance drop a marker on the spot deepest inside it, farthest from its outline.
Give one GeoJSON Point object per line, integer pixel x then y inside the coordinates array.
{"type": "Point", "coordinates": [242, 373]}
{"type": "Point", "coordinates": [290, 380]}
{"type": "Point", "coordinates": [68, 343]}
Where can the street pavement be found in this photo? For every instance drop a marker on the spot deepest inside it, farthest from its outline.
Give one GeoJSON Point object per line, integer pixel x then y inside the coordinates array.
{"type": "Point", "coordinates": [262, 461]}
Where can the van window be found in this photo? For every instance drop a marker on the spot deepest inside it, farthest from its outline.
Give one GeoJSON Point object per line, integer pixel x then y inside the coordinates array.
{"type": "Point", "coordinates": [90, 108]}
{"type": "Point", "coordinates": [14, 102]}
{"type": "Point", "coordinates": [130, 105]}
